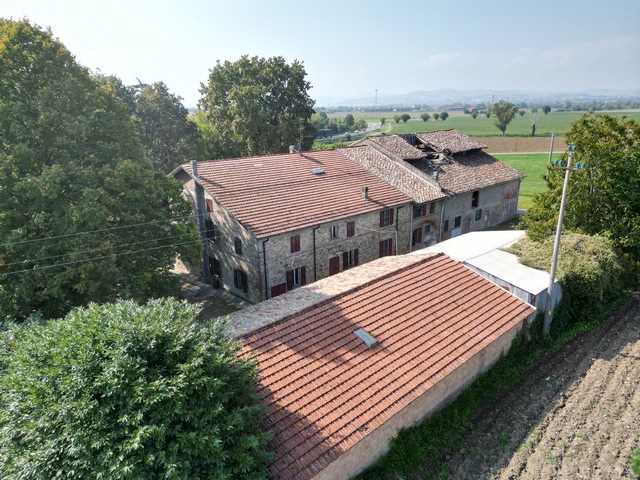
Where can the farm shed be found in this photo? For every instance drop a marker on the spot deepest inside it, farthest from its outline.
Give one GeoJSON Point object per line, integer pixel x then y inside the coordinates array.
{"type": "Point", "coordinates": [480, 251]}
{"type": "Point", "coordinates": [348, 361]}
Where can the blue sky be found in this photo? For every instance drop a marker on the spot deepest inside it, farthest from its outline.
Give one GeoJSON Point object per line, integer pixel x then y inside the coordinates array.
{"type": "Point", "coordinates": [351, 47]}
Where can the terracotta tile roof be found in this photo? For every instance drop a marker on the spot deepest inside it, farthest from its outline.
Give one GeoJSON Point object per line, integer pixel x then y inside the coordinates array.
{"type": "Point", "coordinates": [399, 146]}
{"type": "Point", "coordinates": [324, 389]}
{"type": "Point", "coordinates": [273, 194]}
{"type": "Point", "coordinates": [421, 190]}
{"type": "Point", "coordinates": [469, 171]}
{"type": "Point", "coordinates": [451, 140]}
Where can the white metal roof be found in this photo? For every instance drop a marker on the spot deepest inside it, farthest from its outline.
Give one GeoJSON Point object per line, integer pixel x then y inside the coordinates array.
{"type": "Point", "coordinates": [481, 250]}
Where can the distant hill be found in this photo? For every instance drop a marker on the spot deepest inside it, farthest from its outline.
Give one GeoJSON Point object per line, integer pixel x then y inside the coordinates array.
{"type": "Point", "coordinates": [450, 96]}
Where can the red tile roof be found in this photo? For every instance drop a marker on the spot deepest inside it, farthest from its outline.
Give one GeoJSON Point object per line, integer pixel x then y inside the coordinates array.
{"type": "Point", "coordinates": [324, 389]}
{"type": "Point", "coordinates": [398, 146]}
{"type": "Point", "coordinates": [273, 194]}
{"type": "Point", "coordinates": [451, 140]}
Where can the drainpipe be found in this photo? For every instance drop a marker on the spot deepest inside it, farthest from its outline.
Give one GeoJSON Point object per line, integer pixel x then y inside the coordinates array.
{"type": "Point", "coordinates": [200, 213]}
{"type": "Point", "coordinates": [397, 221]}
{"type": "Point", "coordinates": [411, 230]}
{"type": "Point", "coordinates": [315, 270]}
{"type": "Point", "coordinates": [264, 263]}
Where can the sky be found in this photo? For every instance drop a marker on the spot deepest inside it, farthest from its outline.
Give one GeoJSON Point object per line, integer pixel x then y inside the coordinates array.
{"type": "Point", "coordinates": [355, 47]}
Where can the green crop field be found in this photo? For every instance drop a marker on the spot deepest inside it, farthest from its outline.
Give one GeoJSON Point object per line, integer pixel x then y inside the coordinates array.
{"type": "Point", "coordinates": [534, 166]}
{"type": "Point", "coordinates": [554, 122]}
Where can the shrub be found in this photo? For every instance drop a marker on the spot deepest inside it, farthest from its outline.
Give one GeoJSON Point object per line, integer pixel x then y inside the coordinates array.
{"type": "Point", "coordinates": [123, 390]}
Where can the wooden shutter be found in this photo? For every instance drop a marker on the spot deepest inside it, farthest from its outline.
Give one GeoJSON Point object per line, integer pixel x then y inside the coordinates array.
{"type": "Point", "coordinates": [381, 252]}
{"type": "Point", "coordinates": [355, 257]}
{"type": "Point", "coordinates": [382, 218]}
{"type": "Point", "coordinates": [303, 275]}
{"type": "Point", "coordinates": [289, 279]}
{"type": "Point", "coordinates": [209, 205]}
{"type": "Point", "coordinates": [334, 265]}
{"type": "Point", "coordinates": [345, 260]}
{"type": "Point", "coordinates": [245, 284]}
{"type": "Point", "coordinates": [295, 243]}
{"type": "Point", "coordinates": [351, 228]}
{"type": "Point", "coordinates": [391, 216]}
{"type": "Point", "coordinates": [390, 246]}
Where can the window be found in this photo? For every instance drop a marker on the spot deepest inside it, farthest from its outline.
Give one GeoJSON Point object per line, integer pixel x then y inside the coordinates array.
{"type": "Point", "coordinates": [474, 199]}
{"type": "Point", "coordinates": [419, 211]}
{"type": "Point", "coordinates": [432, 207]}
{"type": "Point", "coordinates": [240, 280]}
{"type": "Point", "coordinates": [296, 277]}
{"type": "Point", "coordinates": [457, 222]}
{"type": "Point", "coordinates": [349, 259]}
{"type": "Point", "coordinates": [417, 236]}
{"type": "Point", "coordinates": [334, 265]}
{"type": "Point", "coordinates": [386, 247]}
{"type": "Point", "coordinates": [214, 267]}
{"type": "Point", "coordinates": [295, 243]}
{"type": "Point", "coordinates": [237, 244]}
{"type": "Point", "coordinates": [334, 231]}
{"type": "Point", "coordinates": [351, 228]}
{"type": "Point", "coordinates": [209, 205]}
{"type": "Point", "coordinates": [427, 229]}
{"type": "Point", "coordinates": [446, 225]}
{"type": "Point", "coordinates": [386, 217]}
{"type": "Point", "coordinates": [210, 229]}
{"type": "Point", "coordinates": [478, 214]}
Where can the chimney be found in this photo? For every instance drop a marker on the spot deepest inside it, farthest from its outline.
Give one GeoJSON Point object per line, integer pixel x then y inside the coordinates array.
{"type": "Point", "coordinates": [292, 149]}
{"type": "Point", "coordinates": [365, 193]}
{"type": "Point", "coordinates": [194, 167]}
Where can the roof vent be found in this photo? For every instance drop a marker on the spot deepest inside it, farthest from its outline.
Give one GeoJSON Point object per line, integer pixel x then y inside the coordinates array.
{"type": "Point", "coordinates": [317, 171]}
{"type": "Point", "coordinates": [367, 338]}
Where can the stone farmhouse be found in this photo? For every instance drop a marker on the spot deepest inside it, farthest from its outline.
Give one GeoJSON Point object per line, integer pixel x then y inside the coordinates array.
{"type": "Point", "coordinates": [348, 361]}
{"type": "Point", "coordinates": [276, 222]}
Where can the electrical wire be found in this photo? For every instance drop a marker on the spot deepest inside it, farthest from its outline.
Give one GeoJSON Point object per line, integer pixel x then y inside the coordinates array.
{"type": "Point", "coordinates": [94, 250]}
{"type": "Point", "coordinates": [93, 259]}
{"type": "Point", "coordinates": [9, 244]}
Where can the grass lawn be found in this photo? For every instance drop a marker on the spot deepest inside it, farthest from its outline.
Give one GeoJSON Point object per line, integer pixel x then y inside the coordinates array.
{"type": "Point", "coordinates": [534, 166]}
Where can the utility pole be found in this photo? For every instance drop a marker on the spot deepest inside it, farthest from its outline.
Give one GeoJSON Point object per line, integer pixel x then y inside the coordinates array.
{"type": "Point", "coordinates": [548, 316]}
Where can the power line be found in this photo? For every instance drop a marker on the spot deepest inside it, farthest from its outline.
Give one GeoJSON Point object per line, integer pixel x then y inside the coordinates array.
{"type": "Point", "coordinates": [95, 250]}
{"type": "Point", "coordinates": [94, 258]}
{"type": "Point", "coordinates": [93, 231]}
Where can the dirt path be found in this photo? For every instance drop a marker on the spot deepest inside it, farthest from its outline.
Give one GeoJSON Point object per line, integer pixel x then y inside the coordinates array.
{"type": "Point", "coordinates": [577, 417]}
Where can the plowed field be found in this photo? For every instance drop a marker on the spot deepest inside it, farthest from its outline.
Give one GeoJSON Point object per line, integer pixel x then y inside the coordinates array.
{"type": "Point", "coordinates": [522, 144]}
{"type": "Point", "coordinates": [577, 417]}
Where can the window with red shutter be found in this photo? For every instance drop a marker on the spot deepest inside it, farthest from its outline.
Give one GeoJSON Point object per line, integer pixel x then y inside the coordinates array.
{"type": "Point", "coordinates": [334, 265]}
{"type": "Point", "coordinates": [209, 205]}
{"type": "Point", "coordinates": [295, 243]}
{"type": "Point", "coordinates": [351, 228]}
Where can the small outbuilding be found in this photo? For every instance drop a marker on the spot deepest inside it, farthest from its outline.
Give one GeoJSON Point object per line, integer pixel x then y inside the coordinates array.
{"type": "Point", "coordinates": [348, 361]}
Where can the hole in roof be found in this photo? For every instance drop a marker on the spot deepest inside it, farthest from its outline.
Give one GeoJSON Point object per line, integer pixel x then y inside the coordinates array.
{"type": "Point", "coordinates": [317, 171]}
{"type": "Point", "coordinates": [366, 337]}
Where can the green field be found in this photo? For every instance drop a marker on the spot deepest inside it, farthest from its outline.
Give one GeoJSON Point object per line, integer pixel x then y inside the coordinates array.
{"type": "Point", "coordinates": [534, 166]}
{"type": "Point", "coordinates": [554, 122]}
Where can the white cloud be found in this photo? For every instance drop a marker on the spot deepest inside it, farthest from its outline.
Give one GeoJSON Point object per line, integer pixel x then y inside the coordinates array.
{"type": "Point", "coordinates": [440, 60]}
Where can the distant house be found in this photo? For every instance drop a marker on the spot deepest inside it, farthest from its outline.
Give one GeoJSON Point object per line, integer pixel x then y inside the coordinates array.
{"type": "Point", "coordinates": [276, 222]}
{"type": "Point", "coordinates": [348, 361]}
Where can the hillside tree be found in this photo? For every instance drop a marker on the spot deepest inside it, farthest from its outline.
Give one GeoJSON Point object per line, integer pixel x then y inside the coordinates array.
{"type": "Point", "coordinates": [397, 118]}
{"type": "Point", "coordinates": [405, 117]}
{"type": "Point", "coordinates": [349, 121]}
{"type": "Point", "coordinates": [257, 105]}
{"type": "Point", "coordinates": [444, 116]}
{"type": "Point", "coordinates": [436, 116]}
{"type": "Point", "coordinates": [546, 109]}
{"type": "Point", "coordinates": [128, 391]}
{"type": "Point", "coordinates": [85, 217]}
{"type": "Point", "coordinates": [603, 199]}
{"type": "Point", "coordinates": [504, 112]}
{"type": "Point", "coordinates": [425, 116]}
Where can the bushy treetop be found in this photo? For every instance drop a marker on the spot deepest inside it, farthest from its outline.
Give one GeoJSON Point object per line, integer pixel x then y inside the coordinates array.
{"type": "Point", "coordinates": [128, 391]}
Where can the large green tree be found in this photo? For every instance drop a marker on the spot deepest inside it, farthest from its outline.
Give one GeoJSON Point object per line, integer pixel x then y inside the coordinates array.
{"type": "Point", "coordinates": [604, 198]}
{"type": "Point", "coordinates": [168, 138]}
{"type": "Point", "coordinates": [258, 105]}
{"type": "Point", "coordinates": [503, 112]}
{"type": "Point", "coordinates": [83, 214]}
{"type": "Point", "coordinates": [128, 391]}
